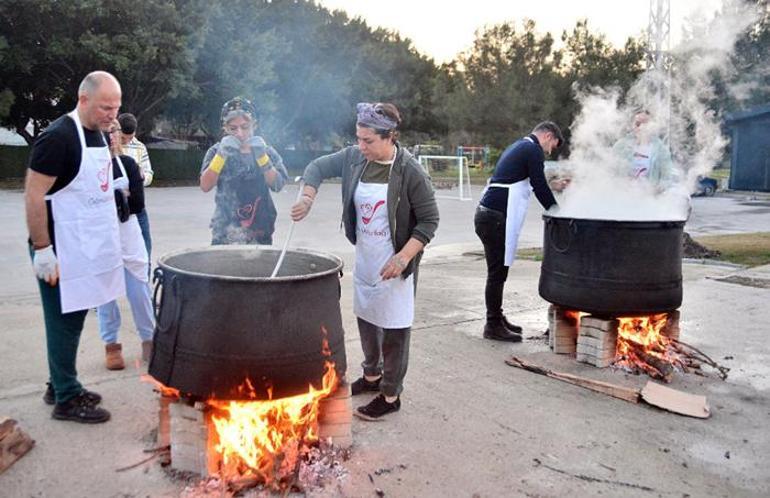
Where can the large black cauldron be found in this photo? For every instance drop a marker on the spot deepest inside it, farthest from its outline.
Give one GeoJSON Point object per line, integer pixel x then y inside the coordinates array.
{"type": "Point", "coordinates": [223, 320]}
{"type": "Point", "coordinates": [612, 268]}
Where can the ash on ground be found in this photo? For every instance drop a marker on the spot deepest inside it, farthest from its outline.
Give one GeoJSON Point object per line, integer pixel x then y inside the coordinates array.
{"type": "Point", "coordinates": [321, 471]}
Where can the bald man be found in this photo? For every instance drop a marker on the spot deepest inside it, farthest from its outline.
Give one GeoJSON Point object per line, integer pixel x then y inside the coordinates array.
{"type": "Point", "coordinates": [73, 236]}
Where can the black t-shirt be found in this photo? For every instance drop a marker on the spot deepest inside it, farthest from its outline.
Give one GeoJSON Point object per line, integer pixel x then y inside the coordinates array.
{"type": "Point", "coordinates": [135, 183]}
{"type": "Point", "coordinates": [56, 152]}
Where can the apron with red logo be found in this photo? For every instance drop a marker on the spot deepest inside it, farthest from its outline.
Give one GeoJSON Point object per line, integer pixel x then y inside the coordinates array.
{"type": "Point", "coordinates": [86, 230]}
{"type": "Point", "coordinates": [386, 303]}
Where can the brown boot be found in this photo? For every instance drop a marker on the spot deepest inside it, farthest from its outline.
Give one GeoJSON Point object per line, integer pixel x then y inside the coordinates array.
{"type": "Point", "coordinates": [146, 351]}
{"type": "Point", "coordinates": [114, 358]}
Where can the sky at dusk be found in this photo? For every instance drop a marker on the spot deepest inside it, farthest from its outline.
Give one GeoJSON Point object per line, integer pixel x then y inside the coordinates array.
{"type": "Point", "coordinates": [441, 29]}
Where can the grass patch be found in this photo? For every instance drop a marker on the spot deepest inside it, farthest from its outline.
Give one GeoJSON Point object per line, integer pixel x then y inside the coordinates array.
{"type": "Point", "coordinates": [720, 174]}
{"type": "Point", "coordinates": [532, 253]}
{"type": "Point", "coordinates": [750, 249]}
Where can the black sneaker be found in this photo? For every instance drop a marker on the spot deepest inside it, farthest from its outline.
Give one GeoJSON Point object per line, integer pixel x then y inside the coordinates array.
{"type": "Point", "coordinates": [377, 408]}
{"type": "Point", "coordinates": [80, 409]}
{"type": "Point", "coordinates": [50, 397]}
{"type": "Point", "coordinates": [362, 385]}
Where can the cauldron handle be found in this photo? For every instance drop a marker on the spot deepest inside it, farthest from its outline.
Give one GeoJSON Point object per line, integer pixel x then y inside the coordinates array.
{"type": "Point", "coordinates": [157, 279]}
{"type": "Point", "coordinates": [572, 231]}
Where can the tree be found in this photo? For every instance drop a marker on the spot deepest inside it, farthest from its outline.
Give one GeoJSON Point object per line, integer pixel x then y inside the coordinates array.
{"type": "Point", "coordinates": [304, 68]}
{"type": "Point", "coordinates": [52, 45]}
{"type": "Point", "coordinates": [589, 61]}
{"type": "Point", "coordinates": [503, 85]}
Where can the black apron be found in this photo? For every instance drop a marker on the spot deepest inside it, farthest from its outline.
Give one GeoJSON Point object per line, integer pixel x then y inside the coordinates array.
{"type": "Point", "coordinates": [245, 213]}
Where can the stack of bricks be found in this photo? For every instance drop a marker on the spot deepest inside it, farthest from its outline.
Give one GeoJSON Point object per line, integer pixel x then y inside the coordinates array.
{"type": "Point", "coordinates": [671, 329]}
{"type": "Point", "coordinates": [335, 414]}
{"type": "Point", "coordinates": [189, 432]}
{"type": "Point", "coordinates": [597, 341]}
{"type": "Point", "coordinates": [562, 330]}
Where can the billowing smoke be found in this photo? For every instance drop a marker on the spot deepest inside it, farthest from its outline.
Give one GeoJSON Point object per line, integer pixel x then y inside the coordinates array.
{"type": "Point", "coordinates": [620, 167]}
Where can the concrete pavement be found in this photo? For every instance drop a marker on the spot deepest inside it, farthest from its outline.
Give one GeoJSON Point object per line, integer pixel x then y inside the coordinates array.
{"type": "Point", "coordinates": [469, 424]}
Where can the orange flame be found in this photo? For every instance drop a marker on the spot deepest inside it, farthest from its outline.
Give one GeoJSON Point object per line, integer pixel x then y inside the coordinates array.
{"type": "Point", "coordinates": [263, 438]}
{"type": "Point", "coordinates": [642, 346]}
{"type": "Point", "coordinates": [644, 331]}
{"type": "Point", "coordinates": [163, 389]}
{"type": "Point", "coordinates": [575, 316]}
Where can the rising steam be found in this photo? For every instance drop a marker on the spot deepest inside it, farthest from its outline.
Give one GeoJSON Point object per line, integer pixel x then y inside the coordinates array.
{"type": "Point", "coordinates": [678, 101]}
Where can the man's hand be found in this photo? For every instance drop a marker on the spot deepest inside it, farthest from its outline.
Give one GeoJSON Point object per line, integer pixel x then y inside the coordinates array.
{"type": "Point", "coordinates": [45, 265]}
{"type": "Point", "coordinates": [394, 267]}
{"type": "Point", "coordinates": [559, 184]}
{"type": "Point", "coordinates": [229, 146]}
{"type": "Point", "coordinates": [301, 208]}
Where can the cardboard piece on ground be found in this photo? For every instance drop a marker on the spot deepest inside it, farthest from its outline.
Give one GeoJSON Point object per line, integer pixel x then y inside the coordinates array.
{"type": "Point", "coordinates": [675, 401]}
{"type": "Point", "coordinates": [14, 443]}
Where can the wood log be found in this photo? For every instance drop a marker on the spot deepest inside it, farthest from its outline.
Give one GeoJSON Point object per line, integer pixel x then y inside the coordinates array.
{"type": "Point", "coordinates": [654, 366]}
{"type": "Point", "coordinates": [14, 443]}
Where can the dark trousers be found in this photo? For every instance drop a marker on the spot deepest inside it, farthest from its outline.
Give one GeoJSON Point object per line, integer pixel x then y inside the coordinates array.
{"type": "Point", "coordinates": [386, 353]}
{"type": "Point", "coordinates": [62, 334]}
{"type": "Point", "coordinates": [490, 228]}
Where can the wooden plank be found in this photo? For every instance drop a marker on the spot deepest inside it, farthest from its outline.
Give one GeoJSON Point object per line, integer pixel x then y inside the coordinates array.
{"type": "Point", "coordinates": [675, 401]}
{"type": "Point", "coordinates": [6, 426]}
{"type": "Point", "coordinates": [614, 390]}
{"type": "Point", "coordinates": [14, 443]}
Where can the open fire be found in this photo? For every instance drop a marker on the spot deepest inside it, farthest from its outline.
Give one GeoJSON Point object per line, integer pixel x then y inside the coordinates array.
{"type": "Point", "coordinates": [638, 344]}
{"type": "Point", "coordinates": [266, 439]}
{"type": "Point", "coordinates": [643, 347]}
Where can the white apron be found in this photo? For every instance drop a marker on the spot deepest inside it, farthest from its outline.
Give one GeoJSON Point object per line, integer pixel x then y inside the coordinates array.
{"type": "Point", "coordinates": [86, 230]}
{"type": "Point", "coordinates": [385, 303]}
{"type": "Point", "coordinates": [516, 212]}
{"type": "Point", "coordinates": [134, 251]}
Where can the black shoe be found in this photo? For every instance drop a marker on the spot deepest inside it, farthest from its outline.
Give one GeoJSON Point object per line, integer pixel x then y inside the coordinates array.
{"type": "Point", "coordinates": [362, 385]}
{"type": "Point", "coordinates": [50, 397]}
{"type": "Point", "coordinates": [497, 332]}
{"type": "Point", "coordinates": [511, 327]}
{"type": "Point", "coordinates": [80, 409]}
{"type": "Point", "coordinates": [377, 408]}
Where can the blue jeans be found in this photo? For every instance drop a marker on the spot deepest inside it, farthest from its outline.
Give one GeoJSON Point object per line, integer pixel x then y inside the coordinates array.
{"type": "Point", "coordinates": [144, 224]}
{"type": "Point", "coordinates": [140, 299]}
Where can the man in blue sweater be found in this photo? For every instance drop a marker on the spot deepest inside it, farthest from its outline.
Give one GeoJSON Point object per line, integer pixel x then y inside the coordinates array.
{"type": "Point", "coordinates": [501, 212]}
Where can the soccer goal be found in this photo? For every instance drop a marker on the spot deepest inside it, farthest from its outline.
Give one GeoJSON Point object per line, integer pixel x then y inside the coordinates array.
{"type": "Point", "coordinates": [450, 176]}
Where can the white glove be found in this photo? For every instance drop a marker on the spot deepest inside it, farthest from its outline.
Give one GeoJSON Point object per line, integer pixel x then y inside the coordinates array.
{"type": "Point", "coordinates": [45, 265]}
{"type": "Point", "coordinates": [258, 145]}
{"type": "Point", "coordinates": [229, 146]}
{"type": "Point", "coordinates": [120, 183]}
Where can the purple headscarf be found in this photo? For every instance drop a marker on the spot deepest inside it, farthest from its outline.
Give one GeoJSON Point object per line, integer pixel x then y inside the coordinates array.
{"type": "Point", "coordinates": [370, 118]}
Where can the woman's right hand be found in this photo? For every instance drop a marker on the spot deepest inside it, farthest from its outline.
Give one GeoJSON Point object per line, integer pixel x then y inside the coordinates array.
{"type": "Point", "coordinates": [301, 208]}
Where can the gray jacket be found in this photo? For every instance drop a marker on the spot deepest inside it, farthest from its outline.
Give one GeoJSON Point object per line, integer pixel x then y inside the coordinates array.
{"type": "Point", "coordinates": [412, 208]}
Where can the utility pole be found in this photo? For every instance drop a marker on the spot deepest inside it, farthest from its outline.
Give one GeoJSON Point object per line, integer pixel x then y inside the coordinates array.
{"type": "Point", "coordinates": [659, 61]}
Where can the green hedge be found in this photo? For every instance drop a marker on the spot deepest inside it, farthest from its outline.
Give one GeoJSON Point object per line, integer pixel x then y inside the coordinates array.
{"type": "Point", "coordinates": [13, 161]}
{"type": "Point", "coordinates": [167, 164]}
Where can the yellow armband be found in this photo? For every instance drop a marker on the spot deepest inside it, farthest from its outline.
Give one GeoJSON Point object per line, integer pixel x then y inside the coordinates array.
{"type": "Point", "coordinates": [217, 164]}
{"type": "Point", "coordinates": [262, 161]}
